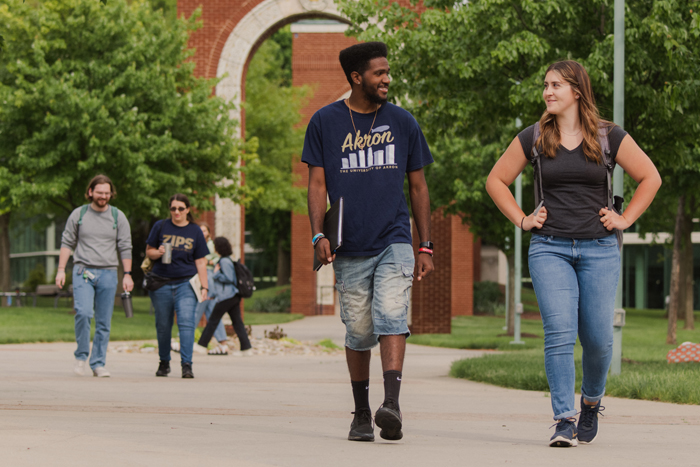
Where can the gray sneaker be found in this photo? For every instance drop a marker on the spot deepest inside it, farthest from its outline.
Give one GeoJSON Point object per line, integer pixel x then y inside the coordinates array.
{"type": "Point", "coordinates": [79, 367]}
{"type": "Point", "coordinates": [100, 372]}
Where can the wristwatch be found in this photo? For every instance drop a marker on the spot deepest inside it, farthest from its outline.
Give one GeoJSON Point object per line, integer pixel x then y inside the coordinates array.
{"type": "Point", "coordinates": [425, 247]}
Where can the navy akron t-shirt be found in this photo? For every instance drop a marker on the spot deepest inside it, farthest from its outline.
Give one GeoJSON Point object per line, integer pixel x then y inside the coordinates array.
{"type": "Point", "coordinates": [367, 169]}
{"type": "Point", "coordinates": [188, 245]}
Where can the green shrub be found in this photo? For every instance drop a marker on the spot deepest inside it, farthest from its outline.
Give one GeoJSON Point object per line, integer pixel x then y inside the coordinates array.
{"type": "Point", "coordinates": [281, 302]}
{"type": "Point", "coordinates": [487, 297]}
{"type": "Point", "coordinates": [329, 344]}
{"type": "Point", "coordinates": [37, 276]}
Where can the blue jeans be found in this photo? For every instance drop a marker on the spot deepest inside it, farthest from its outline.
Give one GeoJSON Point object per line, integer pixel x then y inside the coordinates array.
{"type": "Point", "coordinates": [93, 298]}
{"type": "Point", "coordinates": [168, 300]}
{"type": "Point", "coordinates": [374, 294]}
{"type": "Point", "coordinates": [575, 283]}
{"type": "Point", "coordinates": [206, 307]}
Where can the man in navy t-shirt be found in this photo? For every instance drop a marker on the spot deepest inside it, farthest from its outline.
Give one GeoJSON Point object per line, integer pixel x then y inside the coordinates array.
{"type": "Point", "coordinates": [361, 149]}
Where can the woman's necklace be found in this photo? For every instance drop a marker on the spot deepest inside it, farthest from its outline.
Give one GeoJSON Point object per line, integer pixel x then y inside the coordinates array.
{"type": "Point", "coordinates": [567, 134]}
{"type": "Point", "coordinates": [347, 102]}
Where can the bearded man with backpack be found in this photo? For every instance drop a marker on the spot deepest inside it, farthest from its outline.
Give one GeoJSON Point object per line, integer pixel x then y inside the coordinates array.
{"type": "Point", "coordinates": [95, 233]}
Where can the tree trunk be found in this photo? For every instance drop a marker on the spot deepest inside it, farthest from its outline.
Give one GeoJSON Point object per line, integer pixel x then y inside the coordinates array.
{"type": "Point", "coordinates": [5, 252]}
{"type": "Point", "coordinates": [674, 304]}
{"type": "Point", "coordinates": [687, 276]}
{"type": "Point", "coordinates": [284, 264]}
{"type": "Point", "coordinates": [511, 295]}
{"type": "Point", "coordinates": [682, 273]}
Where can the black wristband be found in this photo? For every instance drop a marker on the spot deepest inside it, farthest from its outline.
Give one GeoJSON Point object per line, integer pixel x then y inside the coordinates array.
{"type": "Point", "coordinates": [127, 272]}
{"type": "Point", "coordinates": [521, 223]}
{"type": "Point", "coordinates": [428, 245]}
{"type": "Point", "coordinates": [204, 288]}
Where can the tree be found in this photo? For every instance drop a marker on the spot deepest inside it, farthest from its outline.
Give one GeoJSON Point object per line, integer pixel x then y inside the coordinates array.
{"type": "Point", "coordinates": [467, 71]}
{"type": "Point", "coordinates": [88, 88]}
{"type": "Point", "coordinates": [273, 121]}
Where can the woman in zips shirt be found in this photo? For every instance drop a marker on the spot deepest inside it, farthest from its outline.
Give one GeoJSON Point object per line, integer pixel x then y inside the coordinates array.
{"type": "Point", "coordinates": [174, 293]}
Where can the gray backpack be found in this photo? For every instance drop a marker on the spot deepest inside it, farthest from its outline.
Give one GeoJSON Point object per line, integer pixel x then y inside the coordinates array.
{"type": "Point", "coordinates": [614, 203]}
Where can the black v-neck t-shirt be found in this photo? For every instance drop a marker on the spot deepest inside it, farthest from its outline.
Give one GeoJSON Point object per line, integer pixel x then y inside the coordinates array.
{"type": "Point", "coordinates": [574, 188]}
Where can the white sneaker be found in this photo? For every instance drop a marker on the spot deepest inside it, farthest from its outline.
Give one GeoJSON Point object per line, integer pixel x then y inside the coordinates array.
{"type": "Point", "coordinates": [79, 367]}
{"type": "Point", "coordinates": [100, 372]}
{"type": "Point", "coordinates": [200, 349]}
{"type": "Point", "coordinates": [174, 346]}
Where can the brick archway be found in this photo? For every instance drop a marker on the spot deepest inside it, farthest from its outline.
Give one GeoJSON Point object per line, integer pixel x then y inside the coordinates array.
{"type": "Point", "coordinates": [231, 33]}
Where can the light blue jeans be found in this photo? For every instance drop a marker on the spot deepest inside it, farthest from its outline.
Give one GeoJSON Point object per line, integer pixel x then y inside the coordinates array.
{"type": "Point", "coordinates": [374, 294]}
{"type": "Point", "coordinates": [575, 283]}
{"type": "Point", "coordinates": [168, 300]}
{"type": "Point", "coordinates": [93, 298]}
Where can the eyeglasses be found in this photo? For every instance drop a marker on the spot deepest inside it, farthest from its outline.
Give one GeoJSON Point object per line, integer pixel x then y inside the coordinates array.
{"type": "Point", "coordinates": [174, 208]}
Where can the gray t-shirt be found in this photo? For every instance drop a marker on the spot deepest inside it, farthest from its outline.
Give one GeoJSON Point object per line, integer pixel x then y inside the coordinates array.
{"type": "Point", "coordinates": [95, 243]}
{"type": "Point", "coordinates": [574, 188]}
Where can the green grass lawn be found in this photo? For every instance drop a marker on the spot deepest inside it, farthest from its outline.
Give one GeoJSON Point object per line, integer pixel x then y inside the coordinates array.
{"type": "Point", "coordinates": [645, 373]}
{"type": "Point", "coordinates": [47, 324]}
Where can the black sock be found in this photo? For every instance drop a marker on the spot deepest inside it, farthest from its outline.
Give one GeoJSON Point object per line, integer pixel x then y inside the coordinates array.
{"type": "Point", "coordinates": [360, 392]}
{"type": "Point", "coordinates": [392, 386]}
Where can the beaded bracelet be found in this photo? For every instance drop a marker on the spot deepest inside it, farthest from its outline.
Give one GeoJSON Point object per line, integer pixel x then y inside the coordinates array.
{"type": "Point", "coordinates": [426, 250]}
{"type": "Point", "coordinates": [317, 238]}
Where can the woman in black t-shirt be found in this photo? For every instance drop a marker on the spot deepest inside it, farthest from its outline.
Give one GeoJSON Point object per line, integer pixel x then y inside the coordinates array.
{"type": "Point", "coordinates": [174, 293]}
{"type": "Point", "coordinates": [574, 258]}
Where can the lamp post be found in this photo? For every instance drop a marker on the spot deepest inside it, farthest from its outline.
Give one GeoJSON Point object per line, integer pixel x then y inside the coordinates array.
{"type": "Point", "coordinates": [619, 173]}
{"type": "Point", "coordinates": [518, 264]}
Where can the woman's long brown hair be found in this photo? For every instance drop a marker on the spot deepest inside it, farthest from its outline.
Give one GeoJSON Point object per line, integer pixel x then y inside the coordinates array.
{"type": "Point", "coordinates": [573, 73]}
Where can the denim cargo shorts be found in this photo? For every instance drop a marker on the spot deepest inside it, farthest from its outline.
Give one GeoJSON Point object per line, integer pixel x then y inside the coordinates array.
{"type": "Point", "coordinates": [374, 294]}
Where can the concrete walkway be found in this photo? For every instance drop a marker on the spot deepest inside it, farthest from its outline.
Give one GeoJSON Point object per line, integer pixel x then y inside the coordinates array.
{"type": "Point", "coordinates": [295, 411]}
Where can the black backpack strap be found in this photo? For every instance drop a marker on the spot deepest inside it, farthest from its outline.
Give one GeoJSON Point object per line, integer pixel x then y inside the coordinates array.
{"type": "Point", "coordinates": [537, 166]}
{"type": "Point", "coordinates": [604, 142]}
{"type": "Point", "coordinates": [614, 203]}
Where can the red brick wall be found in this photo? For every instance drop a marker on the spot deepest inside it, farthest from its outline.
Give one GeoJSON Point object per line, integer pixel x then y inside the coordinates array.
{"type": "Point", "coordinates": [462, 270]}
{"type": "Point", "coordinates": [448, 291]}
{"type": "Point", "coordinates": [219, 18]}
{"type": "Point", "coordinates": [315, 62]}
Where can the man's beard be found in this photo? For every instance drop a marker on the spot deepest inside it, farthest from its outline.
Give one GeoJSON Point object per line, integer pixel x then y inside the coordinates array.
{"type": "Point", "coordinates": [372, 94]}
{"type": "Point", "coordinates": [101, 201]}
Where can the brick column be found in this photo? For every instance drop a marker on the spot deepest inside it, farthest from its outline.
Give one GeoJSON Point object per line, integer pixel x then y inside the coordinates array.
{"type": "Point", "coordinates": [448, 291]}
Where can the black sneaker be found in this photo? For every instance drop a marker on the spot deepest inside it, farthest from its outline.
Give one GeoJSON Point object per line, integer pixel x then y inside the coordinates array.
{"type": "Point", "coordinates": [362, 427]}
{"type": "Point", "coordinates": [588, 422]}
{"type": "Point", "coordinates": [187, 371]}
{"type": "Point", "coordinates": [388, 418]}
{"type": "Point", "coordinates": [565, 434]}
{"type": "Point", "coordinates": [163, 368]}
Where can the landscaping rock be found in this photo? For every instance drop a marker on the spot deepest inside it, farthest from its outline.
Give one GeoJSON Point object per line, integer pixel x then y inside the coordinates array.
{"type": "Point", "coordinates": [261, 346]}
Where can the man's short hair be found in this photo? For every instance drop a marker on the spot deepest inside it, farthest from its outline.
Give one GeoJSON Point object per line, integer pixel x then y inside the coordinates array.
{"type": "Point", "coordinates": [99, 180]}
{"type": "Point", "coordinates": [357, 57]}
